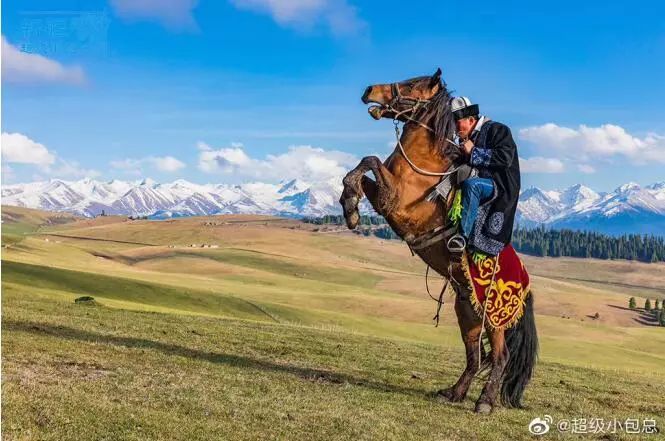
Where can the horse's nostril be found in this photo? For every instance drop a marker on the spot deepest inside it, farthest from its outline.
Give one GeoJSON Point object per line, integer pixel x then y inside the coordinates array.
{"type": "Point", "coordinates": [366, 94]}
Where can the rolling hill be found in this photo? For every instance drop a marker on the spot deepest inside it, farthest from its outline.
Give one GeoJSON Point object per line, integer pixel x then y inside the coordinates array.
{"type": "Point", "coordinates": [246, 327]}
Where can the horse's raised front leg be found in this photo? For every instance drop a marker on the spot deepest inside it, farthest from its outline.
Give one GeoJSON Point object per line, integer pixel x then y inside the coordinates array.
{"type": "Point", "coordinates": [357, 185]}
{"type": "Point", "coordinates": [499, 360]}
{"type": "Point", "coordinates": [470, 327]}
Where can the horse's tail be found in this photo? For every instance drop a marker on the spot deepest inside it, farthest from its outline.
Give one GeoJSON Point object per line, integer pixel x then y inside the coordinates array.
{"type": "Point", "coordinates": [522, 343]}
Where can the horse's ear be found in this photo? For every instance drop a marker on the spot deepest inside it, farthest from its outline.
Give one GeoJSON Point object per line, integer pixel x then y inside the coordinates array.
{"type": "Point", "coordinates": [436, 78]}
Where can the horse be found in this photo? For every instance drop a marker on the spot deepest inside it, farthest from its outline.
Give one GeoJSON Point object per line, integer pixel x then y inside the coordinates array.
{"type": "Point", "coordinates": [399, 192]}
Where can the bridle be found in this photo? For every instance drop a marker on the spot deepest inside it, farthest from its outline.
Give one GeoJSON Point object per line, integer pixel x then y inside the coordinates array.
{"type": "Point", "coordinates": [414, 105]}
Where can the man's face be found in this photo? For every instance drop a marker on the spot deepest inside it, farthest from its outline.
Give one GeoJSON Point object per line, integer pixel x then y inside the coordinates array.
{"type": "Point", "coordinates": [465, 126]}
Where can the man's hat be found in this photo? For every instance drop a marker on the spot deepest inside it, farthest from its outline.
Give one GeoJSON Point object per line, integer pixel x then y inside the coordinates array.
{"type": "Point", "coordinates": [462, 107]}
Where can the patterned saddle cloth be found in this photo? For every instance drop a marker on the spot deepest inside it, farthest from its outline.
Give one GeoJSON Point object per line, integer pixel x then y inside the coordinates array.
{"type": "Point", "coordinates": [505, 298]}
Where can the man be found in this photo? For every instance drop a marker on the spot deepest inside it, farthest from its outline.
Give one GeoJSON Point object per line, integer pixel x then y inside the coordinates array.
{"type": "Point", "coordinates": [489, 200]}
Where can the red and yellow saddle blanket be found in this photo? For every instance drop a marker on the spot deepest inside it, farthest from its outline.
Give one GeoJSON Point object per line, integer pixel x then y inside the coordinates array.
{"type": "Point", "coordinates": [505, 299]}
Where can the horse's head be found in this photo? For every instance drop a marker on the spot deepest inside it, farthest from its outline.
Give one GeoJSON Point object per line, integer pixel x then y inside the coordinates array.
{"type": "Point", "coordinates": [396, 100]}
{"type": "Point", "coordinates": [425, 101]}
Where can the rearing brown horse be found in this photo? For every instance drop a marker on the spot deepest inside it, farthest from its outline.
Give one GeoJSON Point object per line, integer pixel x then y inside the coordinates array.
{"type": "Point", "coordinates": [399, 193]}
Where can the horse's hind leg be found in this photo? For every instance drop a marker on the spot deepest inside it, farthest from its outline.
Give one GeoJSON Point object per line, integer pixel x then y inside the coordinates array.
{"type": "Point", "coordinates": [499, 360]}
{"type": "Point", "coordinates": [470, 328]}
{"type": "Point", "coordinates": [357, 185]}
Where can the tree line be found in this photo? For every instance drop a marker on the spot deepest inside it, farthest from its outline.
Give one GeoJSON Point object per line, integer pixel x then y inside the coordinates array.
{"type": "Point", "coordinates": [541, 241]}
{"type": "Point", "coordinates": [557, 243]}
{"type": "Point", "coordinates": [338, 219]}
{"type": "Point", "coordinates": [367, 226]}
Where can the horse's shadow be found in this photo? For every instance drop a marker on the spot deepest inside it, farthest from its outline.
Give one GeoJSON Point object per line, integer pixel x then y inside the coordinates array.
{"type": "Point", "coordinates": [241, 361]}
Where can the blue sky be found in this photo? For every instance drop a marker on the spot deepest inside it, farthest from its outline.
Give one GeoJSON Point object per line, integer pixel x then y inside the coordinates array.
{"type": "Point", "coordinates": [241, 90]}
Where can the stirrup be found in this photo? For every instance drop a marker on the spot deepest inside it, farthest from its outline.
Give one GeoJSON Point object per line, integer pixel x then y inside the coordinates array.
{"type": "Point", "coordinates": [456, 244]}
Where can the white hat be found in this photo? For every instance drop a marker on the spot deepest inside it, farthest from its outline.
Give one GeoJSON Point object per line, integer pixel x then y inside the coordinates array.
{"type": "Point", "coordinates": [462, 107]}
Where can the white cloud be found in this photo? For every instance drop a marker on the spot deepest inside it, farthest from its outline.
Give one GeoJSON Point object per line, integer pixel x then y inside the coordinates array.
{"type": "Point", "coordinates": [596, 143]}
{"type": "Point", "coordinates": [227, 160]}
{"type": "Point", "coordinates": [538, 164]}
{"type": "Point", "coordinates": [340, 17]}
{"type": "Point", "coordinates": [173, 14]}
{"type": "Point", "coordinates": [586, 168]}
{"type": "Point", "coordinates": [132, 166]}
{"type": "Point", "coordinates": [18, 148]}
{"type": "Point", "coordinates": [304, 162]}
{"type": "Point", "coordinates": [167, 164]}
{"type": "Point", "coordinates": [26, 68]}
{"type": "Point", "coordinates": [71, 169]}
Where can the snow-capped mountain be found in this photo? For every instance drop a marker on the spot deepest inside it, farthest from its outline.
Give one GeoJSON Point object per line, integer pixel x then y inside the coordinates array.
{"type": "Point", "coordinates": [628, 209]}
{"type": "Point", "coordinates": [88, 197]}
{"type": "Point", "coordinates": [539, 207]}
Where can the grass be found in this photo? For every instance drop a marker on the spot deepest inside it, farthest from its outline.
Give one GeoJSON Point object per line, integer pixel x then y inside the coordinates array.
{"type": "Point", "coordinates": [118, 374]}
{"type": "Point", "coordinates": [117, 288]}
{"type": "Point", "coordinates": [287, 266]}
{"type": "Point", "coordinates": [282, 333]}
{"type": "Point", "coordinates": [18, 222]}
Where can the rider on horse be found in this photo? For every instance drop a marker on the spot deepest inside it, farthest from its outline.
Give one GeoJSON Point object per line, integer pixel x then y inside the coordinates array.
{"type": "Point", "coordinates": [489, 200]}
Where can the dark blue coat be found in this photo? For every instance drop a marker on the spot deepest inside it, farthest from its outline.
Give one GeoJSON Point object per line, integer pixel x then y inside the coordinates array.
{"type": "Point", "coordinates": [495, 157]}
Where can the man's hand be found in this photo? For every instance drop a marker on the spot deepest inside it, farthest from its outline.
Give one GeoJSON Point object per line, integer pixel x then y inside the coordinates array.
{"type": "Point", "coordinates": [467, 146]}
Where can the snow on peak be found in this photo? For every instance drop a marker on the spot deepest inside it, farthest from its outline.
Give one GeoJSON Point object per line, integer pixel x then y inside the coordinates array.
{"type": "Point", "coordinates": [535, 206]}
{"type": "Point", "coordinates": [293, 186]}
{"type": "Point", "coordinates": [580, 207]}
{"type": "Point", "coordinates": [625, 188]}
{"type": "Point", "coordinates": [298, 198]}
{"type": "Point", "coordinates": [578, 195]}
{"type": "Point", "coordinates": [178, 198]}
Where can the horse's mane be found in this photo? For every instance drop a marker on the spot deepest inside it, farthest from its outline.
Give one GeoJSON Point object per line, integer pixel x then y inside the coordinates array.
{"type": "Point", "coordinates": [440, 116]}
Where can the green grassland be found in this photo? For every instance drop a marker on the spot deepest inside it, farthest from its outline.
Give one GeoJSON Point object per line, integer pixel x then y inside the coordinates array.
{"type": "Point", "coordinates": [18, 222]}
{"type": "Point", "coordinates": [285, 333]}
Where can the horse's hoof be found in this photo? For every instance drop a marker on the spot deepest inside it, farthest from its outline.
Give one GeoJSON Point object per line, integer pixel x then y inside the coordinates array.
{"type": "Point", "coordinates": [447, 395]}
{"type": "Point", "coordinates": [483, 408]}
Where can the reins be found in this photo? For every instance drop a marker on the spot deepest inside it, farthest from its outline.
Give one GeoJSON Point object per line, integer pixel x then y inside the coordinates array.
{"type": "Point", "coordinates": [414, 166]}
{"type": "Point", "coordinates": [439, 301]}
{"type": "Point", "coordinates": [410, 114]}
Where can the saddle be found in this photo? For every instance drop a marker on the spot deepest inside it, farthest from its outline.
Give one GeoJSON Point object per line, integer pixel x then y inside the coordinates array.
{"type": "Point", "coordinates": [446, 190]}
{"type": "Point", "coordinates": [452, 181]}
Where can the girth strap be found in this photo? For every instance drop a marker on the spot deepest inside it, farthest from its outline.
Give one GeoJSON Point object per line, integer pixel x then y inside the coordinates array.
{"type": "Point", "coordinates": [436, 235]}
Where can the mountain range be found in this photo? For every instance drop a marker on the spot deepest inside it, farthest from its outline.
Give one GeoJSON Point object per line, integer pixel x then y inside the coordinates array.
{"type": "Point", "coordinates": [627, 209]}
{"type": "Point", "coordinates": [89, 197]}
